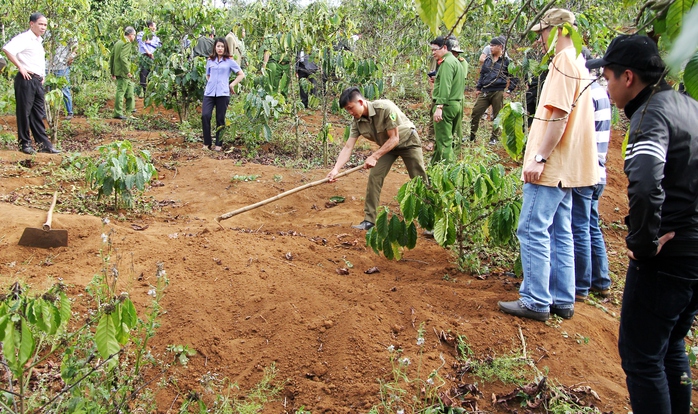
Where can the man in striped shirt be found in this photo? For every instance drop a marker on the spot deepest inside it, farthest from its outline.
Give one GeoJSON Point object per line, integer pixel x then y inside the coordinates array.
{"type": "Point", "coordinates": [590, 260]}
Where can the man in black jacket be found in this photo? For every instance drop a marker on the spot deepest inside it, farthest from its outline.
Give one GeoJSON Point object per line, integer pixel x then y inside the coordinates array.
{"type": "Point", "coordinates": [494, 79]}
{"type": "Point", "coordinates": [660, 299]}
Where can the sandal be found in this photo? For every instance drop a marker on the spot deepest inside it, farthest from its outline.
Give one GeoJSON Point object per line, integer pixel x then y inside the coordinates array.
{"type": "Point", "coordinates": [217, 148]}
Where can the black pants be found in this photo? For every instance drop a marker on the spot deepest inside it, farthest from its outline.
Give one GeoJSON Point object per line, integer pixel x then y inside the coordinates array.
{"type": "Point", "coordinates": [143, 77]}
{"type": "Point", "coordinates": [29, 96]}
{"type": "Point", "coordinates": [303, 91]}
{"type": "Point", "coordinates": [221, 105]}
{"type": "Point", "coordinates": [660, 302]}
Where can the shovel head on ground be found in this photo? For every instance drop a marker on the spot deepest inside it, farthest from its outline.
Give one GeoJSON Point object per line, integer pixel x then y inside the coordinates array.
{"type": "Point", "coordinates": [45, 237]}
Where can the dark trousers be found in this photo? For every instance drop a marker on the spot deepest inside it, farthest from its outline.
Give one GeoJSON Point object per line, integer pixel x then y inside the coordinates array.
{"type": "Point", "coordinates": [484, 100]}
{"type": "Point", "coordinates": [145, 64]}
{"type": "Point", "coordinates": [29, 97]}
{"type": "Point", "coordinates": [303, 91]}
{"type": "Point", "coordinates": [143, 78]}
{"type": "Point", "coordinates": [659, 303]}
{"type": "Point", "coordinates": [221, 105]}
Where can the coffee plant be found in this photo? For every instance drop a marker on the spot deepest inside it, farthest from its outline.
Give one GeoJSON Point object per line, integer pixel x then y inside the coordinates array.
{"type": "Point", "coordinates": [467, 205]}
{"type": "Point", "coordinates": [121, 171]}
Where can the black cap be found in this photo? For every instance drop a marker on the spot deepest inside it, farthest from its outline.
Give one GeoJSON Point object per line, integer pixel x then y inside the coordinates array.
{"type": "Point", "coordinates": [497, 41]}
{"type": "Point", "coordinates": [630, 51]}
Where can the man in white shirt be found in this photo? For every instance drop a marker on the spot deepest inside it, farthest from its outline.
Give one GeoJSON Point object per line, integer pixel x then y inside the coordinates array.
{"type": "Point", "coordinates": [27, 53]}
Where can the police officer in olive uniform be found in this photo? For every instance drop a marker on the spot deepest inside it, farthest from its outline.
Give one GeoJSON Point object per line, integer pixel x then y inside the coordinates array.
{"type": "Point", "coordinates": [447, 94]}
{"type": "Point", "coordinates": [456, 51]}
{"type": "Point", "coordinates": [384, 123]}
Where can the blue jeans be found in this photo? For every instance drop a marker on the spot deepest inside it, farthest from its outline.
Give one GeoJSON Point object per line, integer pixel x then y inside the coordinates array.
{"type": "Point", "coordinates": [659, 303]}
{"type": "Point", "coordinates": [581, 213]}
{"type": "Point", "coordinates": [67, 96]}
{"type": "Point", "coordinates": [599, 260]}
{"type": "Point", "coordinates": [547, 253]}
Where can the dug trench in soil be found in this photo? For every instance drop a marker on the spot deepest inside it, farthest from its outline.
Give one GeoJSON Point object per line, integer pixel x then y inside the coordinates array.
{"type": "Point", "coordinates": [265, 289]}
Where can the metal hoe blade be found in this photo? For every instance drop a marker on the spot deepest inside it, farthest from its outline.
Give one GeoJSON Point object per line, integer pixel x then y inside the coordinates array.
{"type": "Point", "coordinates": [45, 237]}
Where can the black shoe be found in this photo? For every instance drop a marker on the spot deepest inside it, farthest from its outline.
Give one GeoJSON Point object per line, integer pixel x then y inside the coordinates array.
{"type": "Point", "coordinates": [28, 150]}
{"type": "Point", "coordinates": [119, 117]}
{"type": "Point", "coordinates": [562, 312]}
{"type": "Point", "coordinates": [364, 225]}
{"type": "Point", "coordinates": [517, 308]}
{"type": "Point", "coordinates": [51, 150]}
{"type": "Point", "coordinates": [493, 141]}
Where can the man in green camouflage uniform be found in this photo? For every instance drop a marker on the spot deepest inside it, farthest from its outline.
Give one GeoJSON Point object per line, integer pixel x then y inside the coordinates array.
{"type": "Point", "coordinates": [120, 69]}
{"type": "Point", "coordinates": [449, 85]}
{"type": "Point", "coordinates": [456, 51]}
{"type": "Point", "coordinates": [384, 123]}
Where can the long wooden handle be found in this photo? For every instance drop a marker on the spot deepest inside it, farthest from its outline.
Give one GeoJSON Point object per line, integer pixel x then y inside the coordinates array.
{"type": "Point", "coordinates": [284, 194]}
{"type": "Point", "coordinates": [47, 225]}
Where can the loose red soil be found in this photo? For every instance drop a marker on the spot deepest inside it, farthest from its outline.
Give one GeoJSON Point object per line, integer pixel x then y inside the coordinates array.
{"type": "Point", "coordinates": [263, 288]}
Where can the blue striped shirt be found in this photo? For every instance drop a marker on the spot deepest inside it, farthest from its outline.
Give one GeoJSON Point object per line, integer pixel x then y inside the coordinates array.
{"type": "Point", "coordinates": [219, 71]}
{"type": "Point", "coordinates": [602, 125]}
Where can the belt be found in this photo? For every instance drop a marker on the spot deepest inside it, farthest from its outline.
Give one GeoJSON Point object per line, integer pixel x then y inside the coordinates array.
{"type": "Point", "coordinates": [34, 75]}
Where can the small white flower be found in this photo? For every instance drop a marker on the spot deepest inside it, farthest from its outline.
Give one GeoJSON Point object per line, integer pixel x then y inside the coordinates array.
{"type": "Point", "coordinates": [401, 411]}
{"type": "Point", "coordinates": [391, 348]}
{"type": "Point", "coordinates": [105, 220]}
{"type": "Point", "coordinates": [420, 341]}
{"type": "Point", "coordinates": [430, 381]}
{"type": "Point", "coordinates": [152, 292]}
{"type": "Point", "coordinates": [405, 361]}
{"type": "Point", "coordinates": [105, 238]}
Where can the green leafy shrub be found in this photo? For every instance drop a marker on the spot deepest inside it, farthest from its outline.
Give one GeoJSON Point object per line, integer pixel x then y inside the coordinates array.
{"type": "Point", "coordinates": [511, 120]}
{"type": "Point", "coordinates": [468, 205]}
{"type": "Point", "coordinates": [121, 171]}
{"type": "Point", "coordinates": [7, 139]}
{"type": "Point", "coordinates": [91, 96]}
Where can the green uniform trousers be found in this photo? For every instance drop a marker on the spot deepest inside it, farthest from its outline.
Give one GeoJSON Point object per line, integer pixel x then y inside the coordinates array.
{"type": "Point", "coordinates": [484, 100]}
{"type": "Point", "coordinates": [414, 162]}
{"type": "Point", "coordinates": [124, 88]}
{"type": "Point", "coordinates": [445, 131]}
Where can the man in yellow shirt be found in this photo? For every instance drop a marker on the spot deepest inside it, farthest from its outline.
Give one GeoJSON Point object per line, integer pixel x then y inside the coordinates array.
{"type": "Point", "coordinates": [560, 155]}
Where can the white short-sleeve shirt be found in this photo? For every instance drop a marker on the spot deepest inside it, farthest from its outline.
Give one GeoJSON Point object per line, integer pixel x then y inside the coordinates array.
{"type": "Point", "coordinates": [29, 51]}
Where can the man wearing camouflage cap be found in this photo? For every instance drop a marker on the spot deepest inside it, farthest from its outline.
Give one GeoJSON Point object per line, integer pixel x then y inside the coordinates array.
{"type": "Point", "coordinates": [560, 155]}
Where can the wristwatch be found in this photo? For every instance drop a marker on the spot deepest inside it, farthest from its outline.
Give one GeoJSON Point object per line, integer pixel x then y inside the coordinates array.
{"type": "Point", "coordinates": [439, 107]}
{"type": "Point", "coordinates": [539, 159]}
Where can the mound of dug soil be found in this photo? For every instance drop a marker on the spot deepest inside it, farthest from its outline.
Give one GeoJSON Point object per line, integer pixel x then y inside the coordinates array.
{"type": "Point", "coordinates": [287, 284]}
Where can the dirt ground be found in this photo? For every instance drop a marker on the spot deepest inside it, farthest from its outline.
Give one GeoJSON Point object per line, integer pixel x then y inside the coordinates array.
{"type": "Point", "coordinates": [264, 289]}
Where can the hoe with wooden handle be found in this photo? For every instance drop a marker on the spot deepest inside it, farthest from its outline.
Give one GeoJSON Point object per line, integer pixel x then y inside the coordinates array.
{"type": "Point", "coordinates": [284, 194]}
{"type": "Point", "coordinates": [45, 237]}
